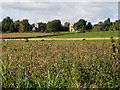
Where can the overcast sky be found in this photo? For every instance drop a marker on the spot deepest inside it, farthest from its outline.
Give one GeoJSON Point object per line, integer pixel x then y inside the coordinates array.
{"type": "Point", "coordinates": [39, 11]}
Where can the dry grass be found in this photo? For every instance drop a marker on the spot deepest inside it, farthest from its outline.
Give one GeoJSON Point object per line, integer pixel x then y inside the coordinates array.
{"type": "Point", "coordinates": [7, 35]}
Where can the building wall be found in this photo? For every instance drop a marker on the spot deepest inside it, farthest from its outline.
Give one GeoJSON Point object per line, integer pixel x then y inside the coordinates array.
{"type": "Point", "coordinates": [71, 29]}
{"type": "Point", "coordinates": [36, 25]}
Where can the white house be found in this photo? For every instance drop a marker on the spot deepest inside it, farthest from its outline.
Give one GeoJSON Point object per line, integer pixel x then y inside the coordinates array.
{"type": "Point", "coordinates": [71, 29]}
{"type": "Point", "coordinates": [35, 28]}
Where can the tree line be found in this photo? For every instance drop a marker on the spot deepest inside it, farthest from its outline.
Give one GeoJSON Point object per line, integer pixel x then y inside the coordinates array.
{"type": "Point", "coordinates": [8, 25]}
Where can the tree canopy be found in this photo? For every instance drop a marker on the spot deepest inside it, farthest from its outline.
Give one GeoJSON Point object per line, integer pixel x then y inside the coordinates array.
{"type": "Point", "coordinates": [8, 25]}
{"type": "Point", "coordinates": [53, 26]}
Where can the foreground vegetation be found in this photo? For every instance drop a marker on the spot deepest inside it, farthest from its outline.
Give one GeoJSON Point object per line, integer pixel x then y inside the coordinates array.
{"type": "Point", "coordinates": [60, 65]}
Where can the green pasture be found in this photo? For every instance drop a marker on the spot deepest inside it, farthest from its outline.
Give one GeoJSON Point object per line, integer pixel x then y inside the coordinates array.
{"type": "Point", "coordinates": [100, 34]}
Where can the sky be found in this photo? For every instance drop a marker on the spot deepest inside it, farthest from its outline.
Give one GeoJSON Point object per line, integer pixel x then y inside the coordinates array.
{"type": "Point", "coordinates": [71, 11]}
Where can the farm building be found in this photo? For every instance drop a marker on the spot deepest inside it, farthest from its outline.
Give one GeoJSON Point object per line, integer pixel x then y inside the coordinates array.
{"type": "Point", "coordinates": [35, 28]}
{"type": "Point", "coordinates": [100, 23]}
{"type": "Point", "coordinates": [71, 29]}
{"type": "Point", "coordinates": [36, 25]}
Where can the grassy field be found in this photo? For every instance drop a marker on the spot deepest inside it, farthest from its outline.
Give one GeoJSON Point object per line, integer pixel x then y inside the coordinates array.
{"type": "Point", "coordinates": [88, 35]}
{"type": "Point", "coordinates": [60, 65]}
{"type": "Point", "coordinates": [61, 35]}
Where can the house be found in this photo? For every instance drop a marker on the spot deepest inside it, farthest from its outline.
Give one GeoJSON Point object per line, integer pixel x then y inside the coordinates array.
{"type": "Point", "coordinates": [100, 23]}
{"type": "Point", "coordinates": [71, 29]}
{"type": "Point", "coordinates": [35, 27]}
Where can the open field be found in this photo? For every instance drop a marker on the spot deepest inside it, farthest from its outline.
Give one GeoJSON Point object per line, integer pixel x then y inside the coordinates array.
{"type": "Point", "coordinates": [60, 65]}
{"type": "Point", "coordinates": [102, 34]}
{"type": "Point", "coordinates": [105, 34]}
{"type": "Point", "coordinates": [22, 35]}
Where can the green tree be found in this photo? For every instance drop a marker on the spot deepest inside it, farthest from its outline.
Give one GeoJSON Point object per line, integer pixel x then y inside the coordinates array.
{"type": "Point", "coordinates": [82, 30]}
{"type": "Point", "coordinates": [12, 28]}
{"type": "Point", "coordinates": [41, 27]}
{"type": "Point", "coordinates": [6, 24]}
{"type": "Point", "coordinates": [53, 26]}
{"type": "Point", "coordinates": [0, 27]}
{"type": "Point", "coordinates": [16, 24]}
{"type": "Point", "coordinates": [21, 27]}
{"type": "Point", "coordinates": [98, 28]}
{"type": "Point", "coordinates": [107, 24]}
{"type": "Point", "coordinates": [111, 28]}
{"type": "Point", "coordinates": [78, 25]}
{"type": "Point", "coordinates": [89, 26]}
{"type": "Point", "coordinates": [26, 24]}
{"type": "Point", "coordinates": [66, 26]}
{"type": "Point", "coordinates": [107, 28]}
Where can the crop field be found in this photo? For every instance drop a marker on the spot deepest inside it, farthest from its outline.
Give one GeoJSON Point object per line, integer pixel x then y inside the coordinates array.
{"type": "Point", "coordinates": [22, 35]}
{"type": "Point", "coordinates": [60, 65]}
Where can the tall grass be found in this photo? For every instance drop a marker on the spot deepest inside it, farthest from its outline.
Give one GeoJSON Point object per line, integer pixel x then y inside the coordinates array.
{"type": "Point", "coordinates": [60, 65]}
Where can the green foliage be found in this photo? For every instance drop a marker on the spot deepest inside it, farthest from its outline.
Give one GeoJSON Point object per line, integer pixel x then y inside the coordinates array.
{"type": "Point", "coordinates": [82, 30]}
{"type": "Point", "coordinates": [60, 65]}
{"type": "Point", "coordinates": [41, 27]}
{"type": "Point", "coordinates": [53, 26]}
{"type": "Point", "coordinates": [106, 26]}
{"type": "Point", "coordinates": [66, 26]}
{"type": "Point", "coordinates": [12, 28]}
{"type": "Point", "coordinates": [89, 26]}
{"type": "Point", "coordinates": [0, 26]}
{"type": "Point", "coordinates": [27, 26]}
{"type": "Point", "coordinates": [16, 25]}
{"type": "Point", "coordinates": [6, 24]}
{"type": "Point", "coordinates": [21, 28]}
{"type": "Point", "coordinates": [78, 25]}
{"type": "Point", "coordinates": [98, 28]}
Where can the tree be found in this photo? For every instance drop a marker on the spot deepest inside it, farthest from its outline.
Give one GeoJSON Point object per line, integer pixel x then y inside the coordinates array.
{"type": "Point", "coordinates": [111, 28]}
{"type": "Point", "coordinates": [53, 26]}
{"type": "Point", "coordinates": [41, 27]}
{"type": "Point", "coordinates": [21, 27]}
{"type": "Point", "coordinates": [12, 28]}
{"type": "Point", "coordinates": [89, 26]}
{"type": "Point", "coordinates": [33, 25]}
{"type": "Point", "coordinates": [106, 28]}
{"type": "Point", "coordinates": [66, 26]}
{"type": "Point", "coordinates": [0, 27]}
{"type": "Point", "coordinates": [82, 30]}
{"type": "Point", "coordinates": [98, 28]}
{"type": "Point", "coordinates": [26, 25]}
{"type": "Point", "coordinates": [106, 24]}
{"type": "Point", "coordinates": [16, 24]}
{"type": "Point", "coordinates": [6, 24]}
{"type": "Point", "coordinates": [78, 25]}
{"type": "Point", "coordinates": [108, 19]}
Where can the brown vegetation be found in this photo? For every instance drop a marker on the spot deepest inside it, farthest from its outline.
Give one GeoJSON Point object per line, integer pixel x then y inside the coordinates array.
{"type": "Point", "coordinates": [8, 35]}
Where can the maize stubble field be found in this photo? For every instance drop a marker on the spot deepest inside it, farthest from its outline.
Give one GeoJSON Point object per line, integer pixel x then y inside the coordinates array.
{"type": "Point", "coordinates": [60, 65]}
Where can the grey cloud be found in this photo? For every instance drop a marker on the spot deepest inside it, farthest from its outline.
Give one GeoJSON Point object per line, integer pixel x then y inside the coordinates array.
{"type": "Point", "coordinates": [65, 11]}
